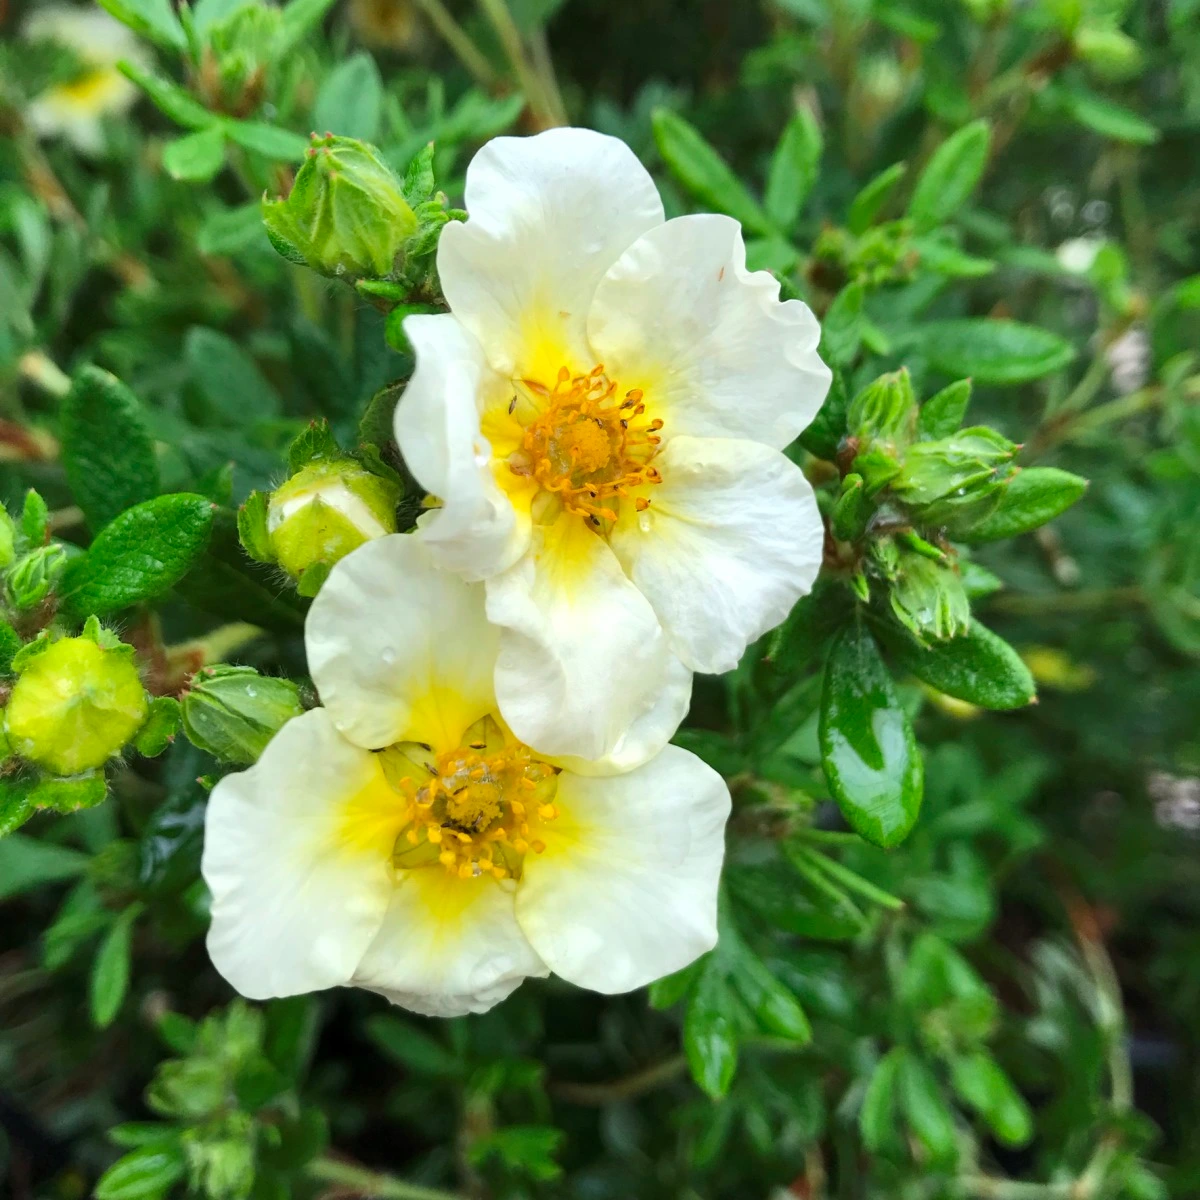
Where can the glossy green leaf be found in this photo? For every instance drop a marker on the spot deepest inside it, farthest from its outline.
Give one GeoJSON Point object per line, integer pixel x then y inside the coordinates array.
{"type": "Point", "coordinates": [983, 1086]}
{"type": "Point", "coordinates": [868, 750]}
{"type": "Point", "coordinates": [977, 666]}
{"type": "Point", "coordinates": [942, 414]}
{"type": "Point", "coordinates": [1034, 496]}
{"type": "Point", "coordinates": [709, 1037]}
{"type": "Point", "coordinates": [993, 350]}
{"type": "Point", "coordinates": [925, 1108]}
{"type": "Point", "coordinates": [16, 804]}
{"type": "Point", "coordinates": [110, 969]}
{"type": "Point", "coordinates": [794, 167]}
{"type": "Point", "coordinates": [950, 176]}
{"type": "Point", "coordinates": [877, 1117]}
{"type": "Point", "coordinates": [146, 1174]}
{"type": "Point", "coordinates": [106, 449]}
{"type": "Point", "coordinates": [138, 556]}
{"type": "Point", "coordinates": [704, 172]}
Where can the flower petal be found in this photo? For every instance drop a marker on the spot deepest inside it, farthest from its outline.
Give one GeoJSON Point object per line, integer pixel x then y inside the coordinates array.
{"type": "Point", "coordinates": [582, 657]}
{"type": "Point", "coordinates": [731, 540]}
{"type": "Point", "coordinates": [448, 946]}
{"type": "Point", "coordinates": [626, 889]}
{"type": "Point", "coordinates": [709, 342]}
{"type": "Point", "coordinates": [549, 215]}
{"type": "Point", "coordinates": [399, 650]}
{"type": "Point", "coordinates": [295, 901]}
{"type": "Point", "coordinates": [476, 531]}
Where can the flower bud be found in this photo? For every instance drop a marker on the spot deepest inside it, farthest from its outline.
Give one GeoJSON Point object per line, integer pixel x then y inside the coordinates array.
{"type": "Point", "coordinates": [233, 712]}
{"type": "Point", "coordinates": [8, 537]}
{"type": "Point", "coordinates": [885, 410]}
{"type": "Point", "coordinates": [952, 466]}
{"type": "Point", "coordinates": [323, 512]}
{"type": "Point", "coordinates": [928, 598]}
{"type": "Point", "coordinates": [33, 575]}
{"type": "Point", "coordinates": [220, 1156]}
{"type": "Point", "coordinates": [75, 704]}
{"type": "Point", "coordinates": [1109, 52]}
{"type": "Point", "coordinates": [346, 213]}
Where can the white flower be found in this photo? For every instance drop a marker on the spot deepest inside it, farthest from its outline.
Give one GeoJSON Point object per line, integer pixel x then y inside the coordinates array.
{"type": "Point", "coordinates": [74, 109]}
{"type": "Point", "coordinates": [602, 416]}
{"type": "Point", "coordinates": [403, 840]}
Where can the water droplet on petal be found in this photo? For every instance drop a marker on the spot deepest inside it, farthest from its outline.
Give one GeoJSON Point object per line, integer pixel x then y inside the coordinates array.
{"type": "Point", "coordinates": [388, 654]}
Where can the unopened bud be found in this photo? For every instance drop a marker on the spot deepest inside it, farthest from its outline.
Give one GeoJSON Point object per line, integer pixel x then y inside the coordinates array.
{"type": "Point", "coordinates": [346, 214]}
{"type": "Point", "coordinates": [75, 704]}
{"type": "Point", "coordinates": [233, 712]}
{"type": "Point", "coordinates": [928, 598]}
{"type": "Point", "coordinates": [885, 410]}
{"type": "Point", "coordinates": [33, 575]}
{"type": "Point", "coordinates": [323, 512]}
{"type": "Point", "coordinates": [8, 537]}
{"type": "Point", "coordinates": [952, 466]}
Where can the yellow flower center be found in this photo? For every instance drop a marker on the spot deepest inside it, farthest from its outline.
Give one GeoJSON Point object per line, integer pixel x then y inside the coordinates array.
{"type": "Point", "coordinates": [587, 444]}
{"type": "Point", "coordinates": [477, 809]}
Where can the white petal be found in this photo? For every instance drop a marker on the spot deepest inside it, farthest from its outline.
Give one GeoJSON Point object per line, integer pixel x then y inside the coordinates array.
{"type": "Point", "coordinates": [548, 216]}
{"type": "Point", "coordinates": [476, 531]}
{"type": "Point", "coordinates": [711, 345]}
{"type": "Point", "coordinates": [648, 734]}
{"type": "Point", "coordinates": [732, 539]}
{"type": "Point", "coordinates": [626, 889]}
{"type": "Point", "coordinates": [295, 902]}
{"type": "Point", "coordinates": [582, 657]}
{"type": "Point", "coordinates": [448, 946]}
{"type": "Point", "coordinates": [399, 650]}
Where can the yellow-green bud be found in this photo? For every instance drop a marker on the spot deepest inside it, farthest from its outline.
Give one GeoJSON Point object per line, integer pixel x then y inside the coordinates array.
{"type": "Point", "coordinates": [885, 410]}
{"type": "Point", "coordinates": [8, 537]}
{"type": "Point", "coordinates": [233, 712]}
{"type": "Point", "coordinates": [75, 705]}
{"type": "Point", "coordinates": [346, 214]}
{"type": "Point", "coordinates": [32, 576]}
{"type": "Point", "coordinates": [952, 466]}
{"type": "Point", "coordinates": [326, 510]}
{"type": "Point", "coordinates": [928, 598]}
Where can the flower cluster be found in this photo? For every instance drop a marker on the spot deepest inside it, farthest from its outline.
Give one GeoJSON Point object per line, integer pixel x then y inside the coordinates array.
{"type": "Point", "coordinates": [487, 792]}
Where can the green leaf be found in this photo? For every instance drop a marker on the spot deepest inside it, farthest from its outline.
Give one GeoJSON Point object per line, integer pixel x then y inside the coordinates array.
{"type": "Point", "coordinates": [110, 969]}
{"type": "Point", "coordinates": [709, 1038]}
{"type": "Point", "coordinates": [418, 176]}
{"type": "Point", "coordinates": [181, 106]}
{"type": "Point", "coordinates": [993, 350]}
{"type": "Point", "coordinates": [877, 1117]}
{"type": "Point", "coordinates": [984, 1087]}
{"type": "Point", "coordinates": [196, 157]}
{"type": "Point", "coordinates": [315, 441]}
{"type": "Point", "coordinates": [868, 750]}
{"type": "Point", "coordinates": [1104, 117]}
{"type": "Point", "coordinates": [138, 556]}
{"type": "Point", "coordinates": [350, 101]}
{"type": "Point", "coordinates": [865, 207]}
{"type": "Point", "coordinates": [160, 727]}
{"type": "Point", "coordinates": [154, 20]}
{"type": "Point", "coordinates": [704, 172]}
{"type": "Point", "coordinates": [942, 414]}
{"type": "Point", "coordinates": [950, 176]}
{"type": "Point", "coordinates": [106, 449]}
{"type": "Point", "coordinates": [70, 795]}
{"type": "Point", "coordinates": [279, 145]}
{"type": "Point", "coordinates": [412, 1047]}
{"type": "Point", "coordinates": [1034, 496]}
{"type": "Point", "coordinates": [794, 167]}
{"type": "Point", "coordinates": [26, 863]}
{"type": "Point", "coordinates": [252, 527]}
{"type": "Point", "coordinates": [928, 1115]}
{"type": "Point", "coordinates": [146, 1174]}
{"type": "Point", "coordinates": [232, 230]}
{"type": "Point", "coordinates": [774, 1006]}
{"type": "Point", "coordinates": [10, 647]}
{"type": "Point", "coordinates": [300, 17]}
{"type": "Point", "coordinates": [823, 437]}
{"type": "Point", "coordinates": [670, 989]}
{"type": "Point", "coordinates": [16, 805]}
{"type": "Point", "coordinates": [841, 330]}
{"type": "Point", "coordinates": [228, 377]}
{"type": "Point", "coordinates": [35, 517]}
{"type": "Point", "coordinates": [977, 666]}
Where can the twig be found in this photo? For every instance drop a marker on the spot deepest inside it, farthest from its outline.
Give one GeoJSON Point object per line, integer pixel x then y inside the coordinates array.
{"type": "Point", "coordinates": [359, 1181]}
{"type": "Point", "coordinates": [506, 29]}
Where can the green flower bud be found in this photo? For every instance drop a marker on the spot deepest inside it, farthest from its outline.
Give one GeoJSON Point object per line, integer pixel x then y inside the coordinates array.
{"type": "Point", "coordinates": [1109, 52]}
{"type": "Point", "coordinates": [346, 214]}
{"type": "Point", "coordinates": [233, 712]}
{"type": "Point", "coordinates": [241, 50]}
{"type": "Point", "coordinates": [952, 466]}
{"type": "Point", "coordinates": [75, 705]}
{"type": "Point", "coordinates": [323, 512]}
{"type": "Point", "coordinates": [928, 598]}
{"type": "Point", "coordinates": [221, 1157]}
{"type": "Point", "coordinates": [885, 410]}
{"type": "Point", "coordinates": [852, 511]}
{"type": "Point", "coordinates": [33, 575]}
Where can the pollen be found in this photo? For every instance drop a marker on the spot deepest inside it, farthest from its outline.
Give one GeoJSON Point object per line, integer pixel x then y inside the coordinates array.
{"type": "Point", "coordinates": [587, 444]}
{"type": "Point", "coordinates": [481, 808]}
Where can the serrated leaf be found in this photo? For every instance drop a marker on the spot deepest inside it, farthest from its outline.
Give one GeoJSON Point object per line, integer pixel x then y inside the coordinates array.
{"type": "Point", "coordinates": [1034, 496]}
{"type": "Point", "coordinates": [794, 167]}
{"type": "Point", "coordinates": [196, 157]}
{"type": "Point", "coordinates": [942, 414]}
{"type": "Point", "coordinates": [978, 666]}
{"type": "Point", "coordinates": [704, 172]}
{"type": "Point", "coordinates": [106, 448]}
{"type": "Point", "coordinates": [950, 176]}
{"type": "Point", "coordinates": [138, 556]}
{"type": "Point", "coordinates": [994, 351]}
{"type": "Point", "coordinates": [868, 749]}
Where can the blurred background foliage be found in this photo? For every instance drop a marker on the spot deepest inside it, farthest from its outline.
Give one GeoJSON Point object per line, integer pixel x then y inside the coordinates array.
{"type": "Point", "coordinates": [1003, 1006]}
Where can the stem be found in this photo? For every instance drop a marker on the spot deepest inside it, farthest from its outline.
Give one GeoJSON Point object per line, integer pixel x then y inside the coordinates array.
{"type": "Point", "coordinates": [506, 29]}
{"type": "Point", "coordinates": [627, 1088]}
{"type": "Point", "coordinates": [984, 1187]}
{"type": "Point", "coordinates": [362, 1182]}
{"type": "Point", "coordinates": [544, 65]}
{"type": "Point", "coordinates": [1086, 601]}
{"type": "Point", "coordinates": [456, 38]}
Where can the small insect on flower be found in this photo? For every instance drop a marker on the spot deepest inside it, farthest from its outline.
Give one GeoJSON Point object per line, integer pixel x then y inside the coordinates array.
{"type": "Point", "coordinates": [404, 839]}
{"type": "Point", "coordinates": [602, 415]}
{"type": "Point", "coordinates": [74, 107]}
